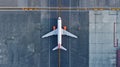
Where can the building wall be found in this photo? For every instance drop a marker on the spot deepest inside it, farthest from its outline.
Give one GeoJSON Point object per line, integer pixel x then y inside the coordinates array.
{"type": "Point", "coordinates": [102, 52]}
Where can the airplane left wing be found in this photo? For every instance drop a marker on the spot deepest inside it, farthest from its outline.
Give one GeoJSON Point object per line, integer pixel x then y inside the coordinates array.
{"type": "Point", "coordinates": [68, 33]}
{"type": "Point", "coordinates": [54, 32]}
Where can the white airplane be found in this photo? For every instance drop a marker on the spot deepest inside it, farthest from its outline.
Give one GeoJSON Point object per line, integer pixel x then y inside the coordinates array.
{"type": "Point", "coordinates": [59, 32]}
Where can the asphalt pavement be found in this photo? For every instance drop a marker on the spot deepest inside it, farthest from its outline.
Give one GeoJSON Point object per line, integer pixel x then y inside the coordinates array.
{"type": "Point", "coordinates": [21, 32]}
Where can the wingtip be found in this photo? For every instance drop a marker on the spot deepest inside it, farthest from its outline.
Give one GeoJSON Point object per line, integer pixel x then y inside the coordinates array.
{"type": "Point", "coordinates": [66, 50]}
{"type": "Point", "coordinates": [42, 37]}
{"type": "Point", "coordinates": [76, 37]}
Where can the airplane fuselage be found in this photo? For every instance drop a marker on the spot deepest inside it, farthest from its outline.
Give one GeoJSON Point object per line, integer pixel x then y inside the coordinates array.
{"type": "Point", "coordinates": [59, 32]}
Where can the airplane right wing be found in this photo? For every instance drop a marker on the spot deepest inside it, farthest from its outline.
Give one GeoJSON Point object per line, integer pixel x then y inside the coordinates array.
{"type": "Point", "coordinates": [54, 32]}
{"type": "Point", "coordinates": [68, 33]}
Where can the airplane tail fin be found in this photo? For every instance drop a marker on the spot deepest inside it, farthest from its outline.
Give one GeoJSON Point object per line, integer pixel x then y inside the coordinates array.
{"type": "Point", "coordinates": [60, 48]}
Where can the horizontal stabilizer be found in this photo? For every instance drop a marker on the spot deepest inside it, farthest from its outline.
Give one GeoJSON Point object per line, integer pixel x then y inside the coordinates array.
{"type": "Point", "coordinates": [60, 48]}
{"type": "Point", "coordinates": [55, 48]}
{"type": "Point", "coordinates": [63, 48]}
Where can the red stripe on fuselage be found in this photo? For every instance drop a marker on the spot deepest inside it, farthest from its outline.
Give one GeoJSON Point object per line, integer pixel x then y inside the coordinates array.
{"type": "Point", "coordinates": [59, 46]}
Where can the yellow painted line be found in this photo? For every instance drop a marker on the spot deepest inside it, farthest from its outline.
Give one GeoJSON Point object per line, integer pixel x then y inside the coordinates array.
{"type": "Point", "coordinates": [59, 14]}
{"type": "Point", "coordinates": [55, 8]}
{"type": "Point", "coordinates": [115, 8]}
{"type": "Point", "coordinates": [59, 58]}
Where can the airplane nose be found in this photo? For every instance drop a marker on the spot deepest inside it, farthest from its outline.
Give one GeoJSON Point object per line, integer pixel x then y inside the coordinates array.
{"type": "Point", "coordinates": [59, 18]}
